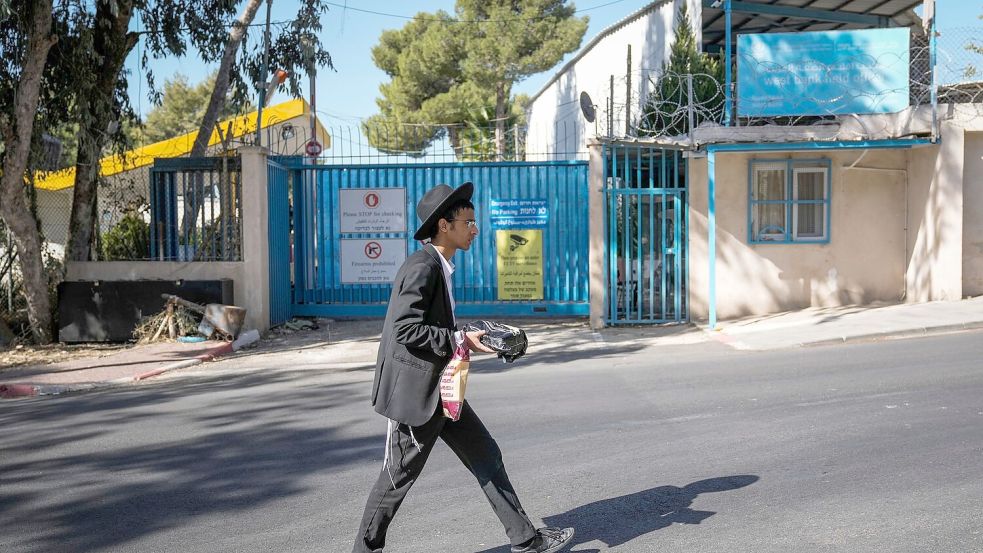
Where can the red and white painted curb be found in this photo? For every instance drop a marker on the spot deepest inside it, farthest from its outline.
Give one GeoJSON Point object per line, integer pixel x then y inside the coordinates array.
{"type": "Point", "coordinates": [13, 390]}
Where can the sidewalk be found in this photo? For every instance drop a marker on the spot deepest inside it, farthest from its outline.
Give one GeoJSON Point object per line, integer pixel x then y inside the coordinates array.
{"type": "Point", "coordinates": [819, 326]}
{"type": "Point", "coordinates": [355, 342]}
{"type": "Point", "coordinates": [129, 365]}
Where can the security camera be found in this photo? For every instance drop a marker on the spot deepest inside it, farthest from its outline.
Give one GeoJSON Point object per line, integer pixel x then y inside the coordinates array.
{"type": "Point", "coordinates": [517, 241]}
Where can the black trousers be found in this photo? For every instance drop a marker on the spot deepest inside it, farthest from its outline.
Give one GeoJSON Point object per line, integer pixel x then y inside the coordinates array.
{"type": "Point", "coordinates": [472, 443]}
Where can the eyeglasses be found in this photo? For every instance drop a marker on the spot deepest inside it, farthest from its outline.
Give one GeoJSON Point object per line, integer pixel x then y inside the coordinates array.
{"type": "Point", "coordinates": [471, 223]}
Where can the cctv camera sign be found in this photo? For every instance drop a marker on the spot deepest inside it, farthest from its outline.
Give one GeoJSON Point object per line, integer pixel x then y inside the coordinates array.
{"type": "Point", "coordinates": [372, 210]}
{"type": "Point", "coordinates": [520, 264]}
{"type": "Point", "coordinates": [371, 261]}
{"type": "Point", "coordinates": [518, 213]}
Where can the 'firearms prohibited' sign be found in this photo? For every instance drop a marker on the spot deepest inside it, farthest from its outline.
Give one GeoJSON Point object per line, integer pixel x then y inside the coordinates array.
{"type": "Point", "coordinates": [372, 260]}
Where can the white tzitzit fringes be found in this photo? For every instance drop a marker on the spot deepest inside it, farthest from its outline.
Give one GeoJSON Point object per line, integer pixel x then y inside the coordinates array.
{"type": "Point", "coordinates": [392, 427]}
{"type": "Point", "coordinates": [413, 439]}
{"type": "Point", "coordinates": [388, 458]}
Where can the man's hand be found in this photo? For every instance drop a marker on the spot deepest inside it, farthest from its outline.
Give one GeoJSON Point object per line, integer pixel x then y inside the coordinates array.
{"type": "Point", "coordinates": [473, 340]}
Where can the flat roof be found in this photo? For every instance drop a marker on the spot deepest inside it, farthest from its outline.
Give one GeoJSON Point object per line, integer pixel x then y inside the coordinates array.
{"type": "Point", "coordinates": [174, 147]}
{"type": "Point", "coordinates": [784, 16]}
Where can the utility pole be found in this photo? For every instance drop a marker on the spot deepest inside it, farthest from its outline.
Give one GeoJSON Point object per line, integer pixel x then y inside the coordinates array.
{"type": "Point", "coordinates": [307, 47]}
{"type": "Point", "coordinates": [262, 76]}
{"type": "Point", "coordinates": [628, 95]}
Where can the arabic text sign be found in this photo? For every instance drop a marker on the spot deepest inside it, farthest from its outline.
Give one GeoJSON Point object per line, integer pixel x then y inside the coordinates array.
{"type": "Point", "coordinates": [823, 72]}
{"type": "Point", "coordinates": [520, 264]}
{"type": "Point", "coordinates": [371, 261]}
{"type": "Point", "coordinates": [518, 213]}
{"type": "Point", "coordinates": [372, 210]}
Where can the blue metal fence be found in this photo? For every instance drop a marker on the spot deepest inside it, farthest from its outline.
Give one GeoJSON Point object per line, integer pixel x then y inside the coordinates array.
{"type": "Point", "coordinates": [646, 234]}
{"type": "Point", "coordinates": [196, 209]}
{"type": "Point", "coordinates": [318, 289]}
{"type": "Point", "coordinates": [278, 198]}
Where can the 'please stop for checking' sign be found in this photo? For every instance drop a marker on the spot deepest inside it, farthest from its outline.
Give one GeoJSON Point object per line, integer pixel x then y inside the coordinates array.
{"type": "Point", "coordinates": [372, 210]}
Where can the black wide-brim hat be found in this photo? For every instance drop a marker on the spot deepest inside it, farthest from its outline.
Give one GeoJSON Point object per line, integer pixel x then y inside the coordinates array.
{"type": "Point", "coordinates": [433, 204]}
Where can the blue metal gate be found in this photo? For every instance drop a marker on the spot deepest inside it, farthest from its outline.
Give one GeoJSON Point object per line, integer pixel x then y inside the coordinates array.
{"type": "Point", "coordinates": [646, 235]}
{"type": "Point", "coordinates": [278, 202]}
{"type": "Point", "coordinates": [559, 187]}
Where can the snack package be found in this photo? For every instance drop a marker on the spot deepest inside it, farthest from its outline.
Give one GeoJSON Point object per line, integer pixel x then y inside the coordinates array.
{"type": "Point", "coordinates": [510, 342]}
{"type": "Point", "coordinates": [454, 380]}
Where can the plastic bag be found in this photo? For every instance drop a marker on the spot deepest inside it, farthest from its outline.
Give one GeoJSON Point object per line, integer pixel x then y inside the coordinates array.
{"type": "Point", "coordinates": [508, 341]}
{"type": "Point", "coordinates": [454, 381]}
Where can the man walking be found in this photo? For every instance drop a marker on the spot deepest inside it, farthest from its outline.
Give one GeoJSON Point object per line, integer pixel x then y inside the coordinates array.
{"type": "Point", "coordinates": [418, 339]}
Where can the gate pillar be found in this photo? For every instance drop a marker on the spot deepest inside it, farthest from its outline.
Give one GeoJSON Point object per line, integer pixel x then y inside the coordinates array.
{"type": "Point", "coordinates": [252, 287]}
{"type": "Point", "coordinates": [598, 255]}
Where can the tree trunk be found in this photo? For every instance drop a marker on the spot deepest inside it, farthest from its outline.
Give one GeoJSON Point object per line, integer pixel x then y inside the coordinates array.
{"type": "Point", "coordinates": [500, 120]}
{"type": "Point", "coordinates": [13, 207]}
{"type": "Point", "coordinates": [192, 200]}
{"type": "Point", "coordinates": [112, 44]}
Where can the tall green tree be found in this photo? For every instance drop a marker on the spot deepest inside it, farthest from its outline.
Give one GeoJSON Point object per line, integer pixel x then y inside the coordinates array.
{"type": "Point", "coordinates": [666, 111]}
{"type": "Point", "coordinates": [214, 29]}
{"type": "Point", "coordinates": [26, 39]}
{"type": "Point", "coordinates": [62, 66]}
{"type": "Point", "coordinates": [446, 69]}
{"type": "Point", "coordinates": [99, 43]}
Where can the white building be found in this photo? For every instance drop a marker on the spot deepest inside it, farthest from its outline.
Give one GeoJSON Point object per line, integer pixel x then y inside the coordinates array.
{"type": "Point", "coordinates": [557, 128]}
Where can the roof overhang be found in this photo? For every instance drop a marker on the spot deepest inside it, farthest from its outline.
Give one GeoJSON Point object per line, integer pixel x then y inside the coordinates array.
{"type": "Point", "coordinates": [783, 16]}
{"type": "Point", "coordinates": [237, 127]}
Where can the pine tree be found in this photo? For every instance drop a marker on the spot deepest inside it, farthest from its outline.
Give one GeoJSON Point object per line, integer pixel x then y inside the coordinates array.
{"type": "Point", "coordinates": [459, 70]}
{"type": "Point", "coordinates": [666, 111]}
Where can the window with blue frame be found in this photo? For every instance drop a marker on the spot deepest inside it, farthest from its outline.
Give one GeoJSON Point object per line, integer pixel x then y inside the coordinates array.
{"type": "Point", "coordinates": [788, 201]}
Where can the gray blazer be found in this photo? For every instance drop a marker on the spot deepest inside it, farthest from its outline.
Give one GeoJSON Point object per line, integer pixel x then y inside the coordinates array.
{"type": "Point", "coordinates": [417, 341]}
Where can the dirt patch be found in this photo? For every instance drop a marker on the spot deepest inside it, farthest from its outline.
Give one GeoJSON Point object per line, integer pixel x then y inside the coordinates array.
{"type": "Point", "coordinates": [22, 355]}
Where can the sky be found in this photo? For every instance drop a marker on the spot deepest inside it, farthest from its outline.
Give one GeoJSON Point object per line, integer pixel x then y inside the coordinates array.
{"type": "Point", "coordinates": [347, 93]}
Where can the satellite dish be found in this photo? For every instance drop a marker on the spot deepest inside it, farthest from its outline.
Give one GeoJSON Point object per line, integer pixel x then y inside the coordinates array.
{"type": "Point", "coordinates": [587, 107]}
{"type": "Point", "coordinates": [287, 131]}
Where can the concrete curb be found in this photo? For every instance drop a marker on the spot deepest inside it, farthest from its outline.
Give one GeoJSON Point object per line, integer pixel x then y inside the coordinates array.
{"type": "Point", "coordinates": [15, 390]}
{"type": "Point", "coordinates": [18, 390]}
{"type": "Point", "coordinates": [737, 344]}
{"type": "Point", "coordinates": [907, 333]}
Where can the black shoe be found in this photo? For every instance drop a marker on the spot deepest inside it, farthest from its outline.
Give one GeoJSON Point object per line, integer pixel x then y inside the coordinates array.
{"type": "Point", "coordinates": [547, 540]}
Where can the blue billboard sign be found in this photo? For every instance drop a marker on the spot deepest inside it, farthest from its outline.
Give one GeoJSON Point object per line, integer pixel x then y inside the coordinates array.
{"type": "Point", "coordinates": [822, 73]}
{"type": "Point", "coordinates": [518, 213]}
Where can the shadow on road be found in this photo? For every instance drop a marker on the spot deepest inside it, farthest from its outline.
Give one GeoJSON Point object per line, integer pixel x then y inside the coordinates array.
{"type": "Point", "coordinates": [247, 452]}
{"type": "Point", "coordinates": [618, 520]}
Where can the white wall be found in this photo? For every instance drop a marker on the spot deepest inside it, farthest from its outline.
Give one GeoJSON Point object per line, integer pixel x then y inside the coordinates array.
{"type": "Point", "coordinates": [863, 262]}
{"type": "Point", "coordinates": [557, 129]}
{"type": "Point", "coordinates": [54, 212]}
{"type": "Point", "coordinates": [935, 218]}
{"type": "Point", "coordinates": [973, 215]}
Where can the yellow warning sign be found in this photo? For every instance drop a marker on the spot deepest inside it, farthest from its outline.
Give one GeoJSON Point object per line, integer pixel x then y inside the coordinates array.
{"type": "Point", "coordinates": [520, 264]}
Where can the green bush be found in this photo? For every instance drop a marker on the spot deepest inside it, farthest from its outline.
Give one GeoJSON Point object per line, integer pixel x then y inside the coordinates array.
{"type": "Point", "coordinates": [128, 240]}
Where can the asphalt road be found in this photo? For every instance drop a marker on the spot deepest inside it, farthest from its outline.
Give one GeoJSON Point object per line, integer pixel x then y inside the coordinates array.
{"type": "Point", "coordinates": [862, 447]}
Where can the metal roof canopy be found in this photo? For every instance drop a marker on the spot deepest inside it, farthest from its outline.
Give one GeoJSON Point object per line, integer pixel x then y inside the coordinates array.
{"type": "Point", "coordinates": [777, 16]}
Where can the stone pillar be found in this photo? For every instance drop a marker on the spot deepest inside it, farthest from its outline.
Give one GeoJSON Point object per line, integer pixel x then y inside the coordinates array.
{"type": "Point", "coordinates": [596, 259]}
{"type": "Point", "coordinates": [935, 218]}
{"type": "Point", "coordinates": [252, 291]}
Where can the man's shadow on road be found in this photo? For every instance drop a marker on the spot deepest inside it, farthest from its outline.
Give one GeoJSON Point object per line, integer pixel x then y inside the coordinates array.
{"type": "Point", "coordinates": [618, 520]}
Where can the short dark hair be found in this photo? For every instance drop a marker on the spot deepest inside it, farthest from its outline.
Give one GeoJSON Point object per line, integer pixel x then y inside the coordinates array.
{"type": "Point", "coordinates": [451, 213]}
